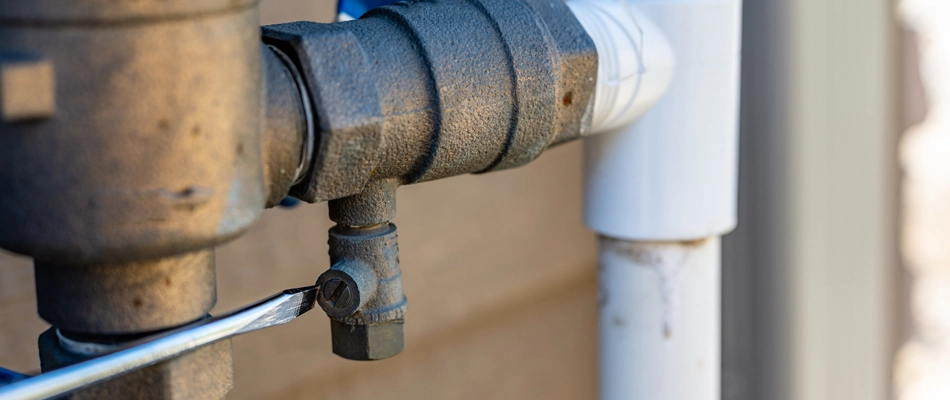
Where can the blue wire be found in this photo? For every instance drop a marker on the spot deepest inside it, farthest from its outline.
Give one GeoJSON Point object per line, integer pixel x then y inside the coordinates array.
{"type": "Point", "coordinates": [289, 202]}
{"type": "Point", "coordinates": [356, 8]}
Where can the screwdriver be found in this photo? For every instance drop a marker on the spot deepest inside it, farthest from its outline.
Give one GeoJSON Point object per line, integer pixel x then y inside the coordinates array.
{"type": "Point", "coordinates": [276, 310]}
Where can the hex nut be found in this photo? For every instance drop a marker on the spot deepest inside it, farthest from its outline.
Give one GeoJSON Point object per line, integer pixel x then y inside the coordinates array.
{"type": "Point", "coordinates": [202, 374]}
{"type": "Point", "coordinates": [368, 342]}
{"type": "Point", "coordinates": [27, 87]}
{"type": "Point", "coordinates": [346, 104]}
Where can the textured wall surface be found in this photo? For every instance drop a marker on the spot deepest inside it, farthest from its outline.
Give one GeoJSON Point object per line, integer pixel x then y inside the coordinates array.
{"type": "Point", "coordinates": [498, 269]}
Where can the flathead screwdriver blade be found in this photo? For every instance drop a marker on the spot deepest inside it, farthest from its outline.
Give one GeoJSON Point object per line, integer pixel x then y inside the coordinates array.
{"type": "Point", "coordinates": [276, 310]}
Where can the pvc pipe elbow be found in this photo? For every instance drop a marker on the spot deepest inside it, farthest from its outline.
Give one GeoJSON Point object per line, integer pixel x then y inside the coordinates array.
{"type": "Point", "coordinates": [672, 174]}
{"type": "Point", "coordinates": [635, 62]}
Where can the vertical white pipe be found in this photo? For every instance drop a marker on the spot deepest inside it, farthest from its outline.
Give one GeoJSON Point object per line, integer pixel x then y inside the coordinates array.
{"type": "Point", "coordinates": [659, 324]}
{"type": "Point", "coordinates": [661, 192]}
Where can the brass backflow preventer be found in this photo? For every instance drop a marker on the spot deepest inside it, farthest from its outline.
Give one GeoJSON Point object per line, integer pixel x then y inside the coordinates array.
{"type": "Point", "coordinates": [137, 136]}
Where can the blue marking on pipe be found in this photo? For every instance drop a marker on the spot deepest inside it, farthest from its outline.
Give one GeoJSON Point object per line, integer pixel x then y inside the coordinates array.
{"type": "Point", "coordinates": [356, 8]}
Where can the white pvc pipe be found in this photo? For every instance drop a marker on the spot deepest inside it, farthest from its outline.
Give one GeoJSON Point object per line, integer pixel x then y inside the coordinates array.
{"type": "Point", "coordinates": [661, 192]}
{"type": "Point", "coordinates": [672, 175]}
{"type": "Point", "coordinates": [659, 325]}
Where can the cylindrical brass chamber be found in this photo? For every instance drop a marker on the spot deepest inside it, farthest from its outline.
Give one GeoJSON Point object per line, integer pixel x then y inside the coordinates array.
{"type": "Point", "coordinates": [154, 147]}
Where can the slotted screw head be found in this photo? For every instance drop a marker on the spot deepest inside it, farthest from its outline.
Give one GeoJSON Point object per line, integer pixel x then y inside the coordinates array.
{"type": "Point", "coordinates": [337, 293]}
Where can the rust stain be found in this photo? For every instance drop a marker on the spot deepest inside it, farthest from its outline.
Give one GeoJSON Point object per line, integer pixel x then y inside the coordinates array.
{"type": "Point", "coordinates": [568, 99]}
